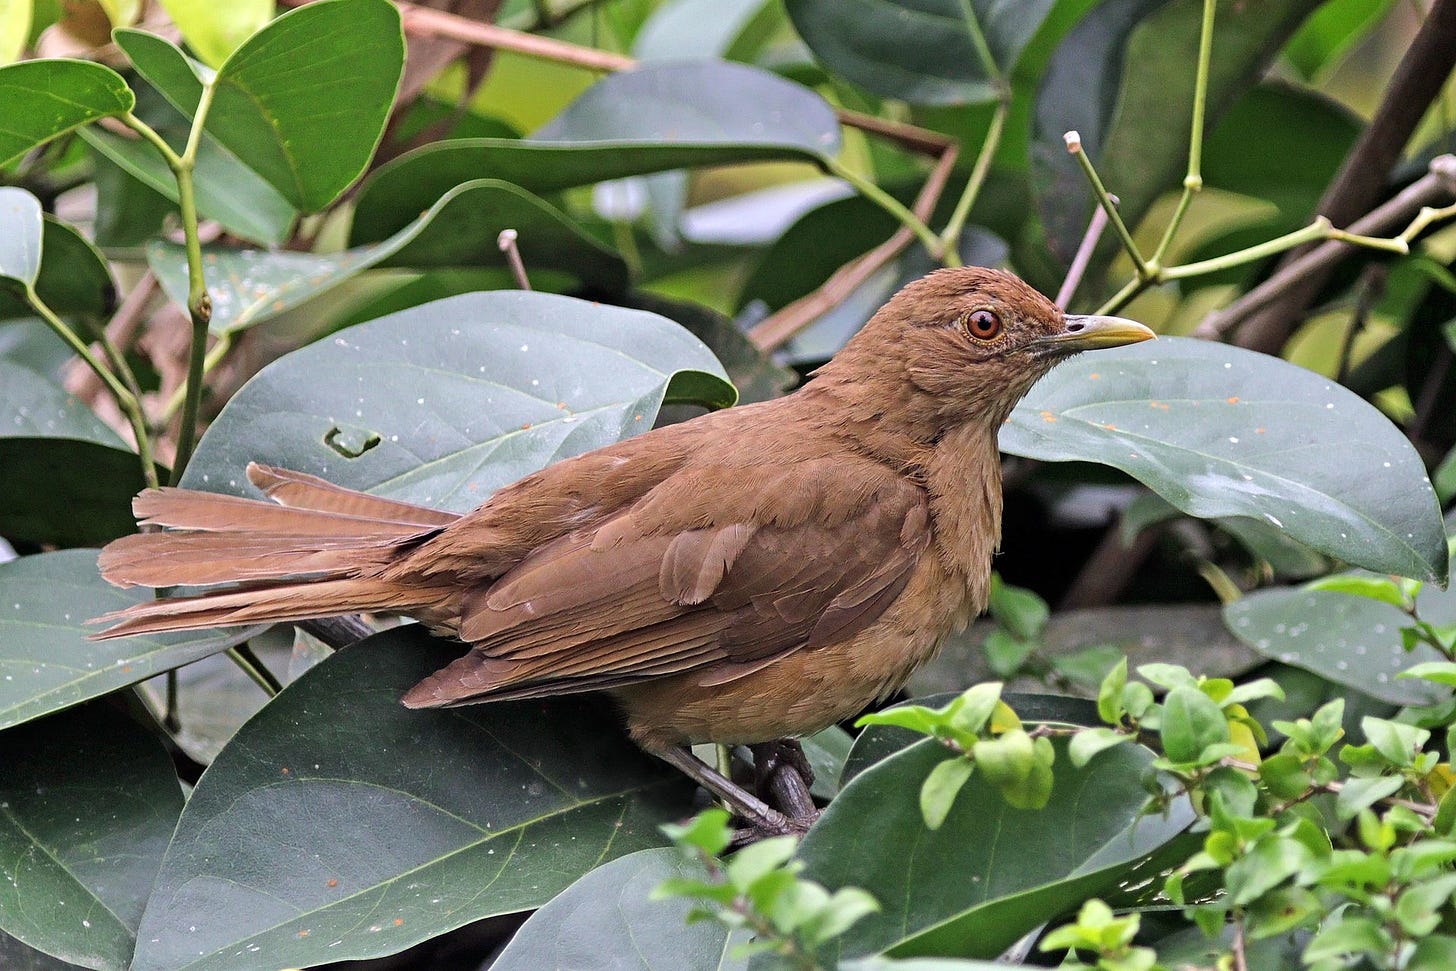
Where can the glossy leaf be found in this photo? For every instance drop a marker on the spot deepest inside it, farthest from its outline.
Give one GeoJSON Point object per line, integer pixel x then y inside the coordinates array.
{"type": "Point", "coordinates": [949, 891]}
{"type": "Point", "coordinates": [250, 286]}
{"type": "Point", "coordinates": [610, 920]}
{"type": "Point", "coordinates": [1123, 79]}
{"type": "Point", "coordinates": [921, 51]}
{"type": "Point", "coordinates": [656, 118]}
{"type": "Point", "coordinates": [1330, 31]}
{"type": "Point", "coordinates": [444, 403]}
{"type": "Point", "coordinates": [68, 478]}
{"type": "Point", "coordinates": [303, 102]}
{"type": "Point", "coordinates": [48, 664]}
{"type": "Point", "coordinates": [227, 190]}
{"type": "Point", "coordinates": [338, 824]}
{"type": "Point", "coordinates": [46, 98]}
{"type": "Point", "coordinates": [214, 30]}
{"type": "Point", "coordinates": [20, 241]}
{"type": "Point", "coordinates": [1350, 640]}
{"type": "Point", "coordinates": [88, 800]}
{"type": "Point", "coordinates": [1220, 431]}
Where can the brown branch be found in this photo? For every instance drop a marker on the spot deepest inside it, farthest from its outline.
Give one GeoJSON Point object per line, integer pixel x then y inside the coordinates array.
{"type": "Point", "coordinates": [1362, 179]}
{"type": "Point", "coordinates": [426, 22]}
{"type": "Point", "coordinates": [1438, 185]}
{"type": "Point", "coordinates": [776, 329]}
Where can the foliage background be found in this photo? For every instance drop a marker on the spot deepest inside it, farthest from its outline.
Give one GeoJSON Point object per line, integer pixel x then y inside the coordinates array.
{"type": "Point", "coordinates": [705, 192]}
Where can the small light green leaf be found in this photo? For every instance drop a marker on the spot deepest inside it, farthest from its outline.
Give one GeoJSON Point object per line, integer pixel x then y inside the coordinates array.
{"type": "Point", "coordinates": [215, 30]}
{"type": "Point", "coordinates": [1090, 741]}
{"type": "Point", "coordinates": [1220, 431]}
{"type": "Point", "coordinates": [1019, 610]}
{"type": "Point", "coordinates": [1396, 742]}
{"type": "Point", "coordinates": [1383, 589]}
{"type": "Point", "coordinates": [1109, 693]}
{"type": "Point", "coordinates": [46, 98]}
{"type": "Point", "coordinates": [938, 792]}
{"type": "Point", "coordinates": [1441, 672]}
{"type": "Point", "coordinates": [1191, 722]}
{"type": "Point", "coordinates": [1362, 793]}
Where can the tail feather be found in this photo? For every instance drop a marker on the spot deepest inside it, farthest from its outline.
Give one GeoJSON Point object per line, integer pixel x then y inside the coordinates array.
{"type": "Point", "coordinates": [317, 552]}
{"type": "Point", "coordinates": [302, 491]}
{"type": "Point", "coordinates": [283, 602]}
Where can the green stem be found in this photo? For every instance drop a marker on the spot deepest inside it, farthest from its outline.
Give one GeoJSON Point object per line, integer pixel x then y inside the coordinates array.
{"type": "Point", "coordinates": [213, 358]}
{"type": "Point", "coordinates": [242, 655]}
{"type": "Point", "coordinates": [950, 236]}
{"type": "Point", "coordinates": [128, 399]}
{"type": "Point", "coordinates": [1124, 296]}
{"type": "Point", "coordinates": [1144, 269]}
{"type": "Point", "coordinates": [117, 360]}
{"type": "Point", "coordinates": [1318, 230]}
{"type": "Point", "coordinates": [888, 203]}
{"type": "Point", "coordinates": [983, 49]}
{"type": "Point", "coordinates": [199, 305]}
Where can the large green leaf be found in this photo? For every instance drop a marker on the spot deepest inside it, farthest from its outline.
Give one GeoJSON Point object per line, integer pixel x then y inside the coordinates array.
{"type": "Point", "coordinates": [1344, 638]}
{"type": "Point", "coordinates": [68, 478]}
{"type": "Point", "coordinates": [608, 920]}
{"type": "Point", "coordinates": [1123, 78]}
{"type": "Point", "coordinates": [88, 800]}
{"type": "Point", "coordinates": [47, 98]}
{"type": "Point", "coordinates": [46, 662]}
{"type": "Point", "coordinates": [444, 403]}
{"type": "Point", "coordinates": [303, 102]}
{"type": "Point", "coordinates": [656, 118]}
{"type": "Point", "coordinates": [249, 286]}
{"type": "Point", "coordinates": [921, 51]}
{"type": "Point", "coordinates": [338, 824]}
{"type": "Point", "coordinates": [1220, 431]}
{"type": "Point", "coordinates": [990, 873]}
{"type": "Point", "coordinates": [1330, 32]}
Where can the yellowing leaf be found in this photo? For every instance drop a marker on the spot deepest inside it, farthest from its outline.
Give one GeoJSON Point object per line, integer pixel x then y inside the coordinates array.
{"type": "Point", "coordinates": [123, 13]}
{"type": "Point", "coordinates": [14, 29]}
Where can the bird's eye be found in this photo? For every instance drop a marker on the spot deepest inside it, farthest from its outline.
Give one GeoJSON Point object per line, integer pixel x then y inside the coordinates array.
{"type": "Point", "coordinates": [983, 325]}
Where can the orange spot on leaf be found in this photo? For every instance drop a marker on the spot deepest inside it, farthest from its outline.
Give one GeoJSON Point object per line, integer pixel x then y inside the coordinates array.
{"type": "Point", "coordinates": [333, 882]}
{"type": "Point", "coordinates": [1048, 416]}
{"type": "Point", "coordinates": [1233, 400]}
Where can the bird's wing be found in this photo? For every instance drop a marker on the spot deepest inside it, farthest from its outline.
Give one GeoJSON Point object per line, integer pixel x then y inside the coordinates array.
{"type": "Point", "coordinates": [635, 598]}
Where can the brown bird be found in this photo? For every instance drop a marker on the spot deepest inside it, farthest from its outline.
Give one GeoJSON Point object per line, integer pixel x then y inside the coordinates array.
{"type": "Point", "coordinates": [753, 574]}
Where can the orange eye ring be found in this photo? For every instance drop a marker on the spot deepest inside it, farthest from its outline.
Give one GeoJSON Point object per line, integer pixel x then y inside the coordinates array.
{"type": "Point", "coordinates": [983, 325]}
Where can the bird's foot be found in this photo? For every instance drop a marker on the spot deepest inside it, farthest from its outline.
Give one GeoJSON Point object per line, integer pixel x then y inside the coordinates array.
{"type": "Point", "coordinates": [762, 819]}
{"type": "Point", "coordinates": [783, 776]}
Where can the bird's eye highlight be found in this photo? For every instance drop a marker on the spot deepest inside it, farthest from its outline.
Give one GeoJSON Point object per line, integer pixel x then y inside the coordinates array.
{"type": "Point", "coordinates": [983, 325]}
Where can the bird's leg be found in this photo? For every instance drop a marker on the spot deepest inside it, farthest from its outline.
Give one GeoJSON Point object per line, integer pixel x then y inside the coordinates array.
{"type": "Point", "coordinates": [783, 774]}
{"type": "Point", "coordinates": [763, 818]}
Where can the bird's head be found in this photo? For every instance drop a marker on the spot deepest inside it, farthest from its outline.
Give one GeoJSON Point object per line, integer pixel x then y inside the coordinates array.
{"type": "Point", "coordinates": [965, 344]}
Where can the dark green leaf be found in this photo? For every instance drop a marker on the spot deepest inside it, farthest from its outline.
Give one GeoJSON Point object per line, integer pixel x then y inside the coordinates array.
{"type": "Point", "coordinates": [49, 97]}
{"type": "Point", "coordinates": [48, 664]}
{"type": "Point", "coordinates": [653, 119]}
{"type": "Point", "coordinates": [88, 800]}
{"type": "Point", "coordinates": [610, 919]}
{"type": "Point", "coordinates": [949, 891]}
{"type": "Point", "coordinates": [1123, 78]}
{"type": "Point", "coordinates": [338, 824]}
{"type": "Point", "coordinates": [1220, 431]}
{"type": "Point", "coordinates": [921, 51]}
{"type": "Point", "coordinates": [444, 403]}
{"type": "Point", "coordinates": [74, 278]}
{"type": "Point", "coordinates": [250, 286]}
{"type": "Point", "coordinates": [68, 478]}
{"type": "Point", "coordinates": [303, 102]}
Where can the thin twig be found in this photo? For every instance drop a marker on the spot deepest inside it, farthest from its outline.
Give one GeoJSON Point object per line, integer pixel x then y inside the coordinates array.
{"type": "Point", "coordinates": [1437, 185]}
{"type": "Point", "coordinates": [427, 22]}
{"type": "Point", "coordinates": [1083, 257]}
{"type": "Point", "coordinates": [1363, 177]}
{"type": "Point", "coordinates": [507, 243]}
{"type": "Point", "coordinates": [1104, 199]}
{"type": "Point", "coordinates": [775, 330]}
